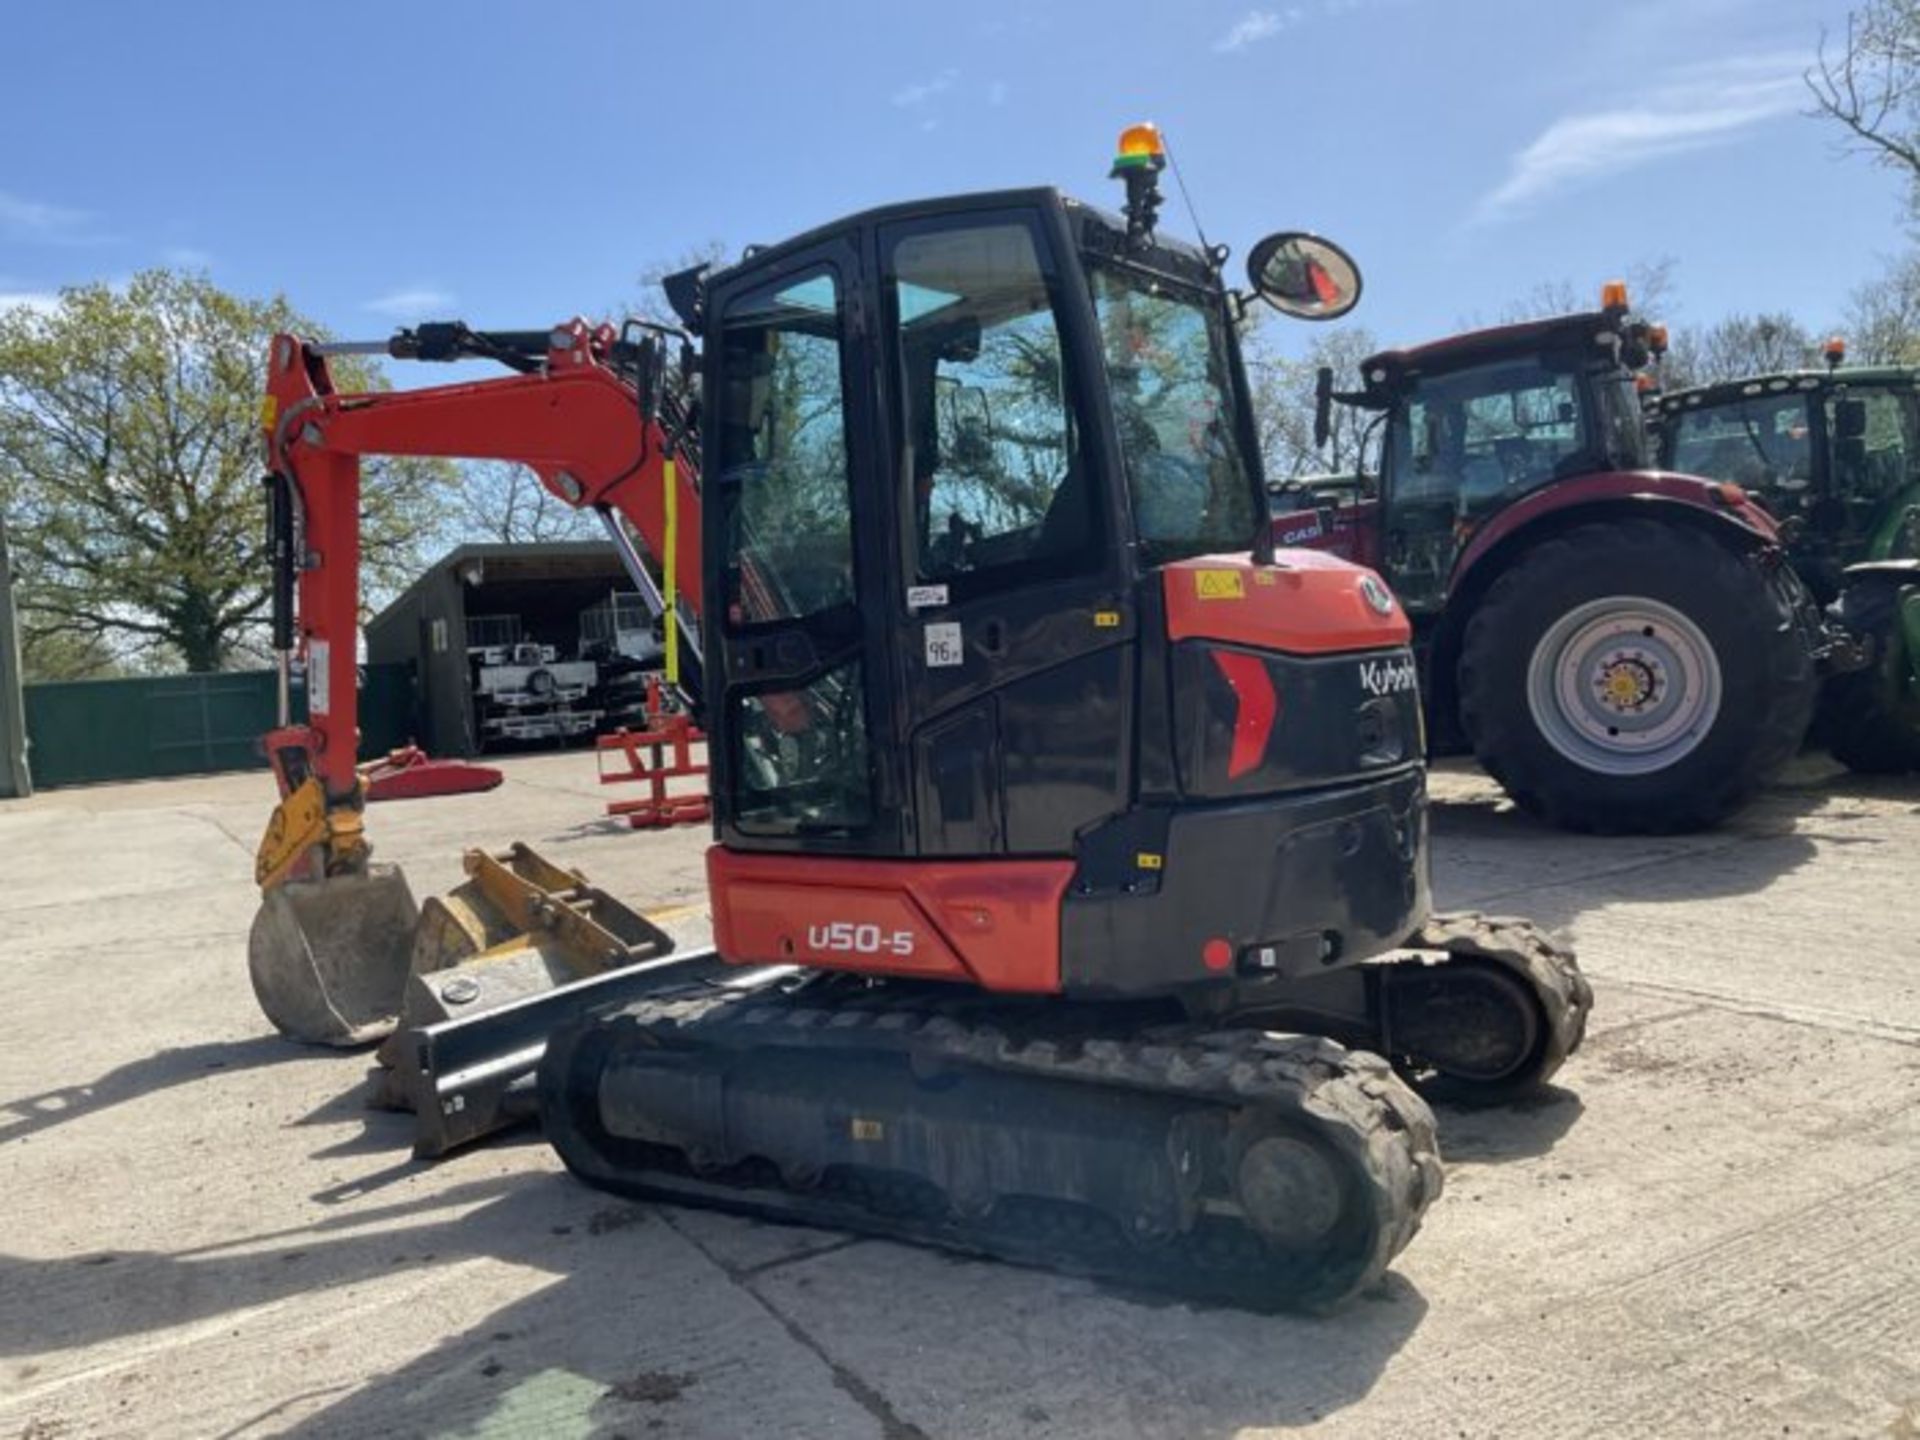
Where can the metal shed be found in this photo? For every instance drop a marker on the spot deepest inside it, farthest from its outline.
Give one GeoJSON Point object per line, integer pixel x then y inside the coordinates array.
{"type": "Point", "coordinates": [544, 589]}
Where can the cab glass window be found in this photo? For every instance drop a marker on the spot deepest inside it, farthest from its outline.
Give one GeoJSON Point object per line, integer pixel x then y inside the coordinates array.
{"type": "Point", "coordinates": [783, 488]}
{"type": "Point", "coordinates": [1483, 436]}
{"type": "Point", "coordinates": [1170, 376]}
{"type": "Point", "coordinates": [997, 490]}
{"type": "Point", "coordinates": [1873, 443]}
{"type": "Point", "coordinates": [1763, 442]}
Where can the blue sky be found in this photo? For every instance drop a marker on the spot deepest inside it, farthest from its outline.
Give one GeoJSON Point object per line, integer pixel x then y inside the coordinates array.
{"type": "Point", "coordinates": [513, 164]}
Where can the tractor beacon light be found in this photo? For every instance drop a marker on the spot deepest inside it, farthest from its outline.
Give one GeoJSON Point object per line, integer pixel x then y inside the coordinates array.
{"type": "Point", "coordinates": [1836, 352]}
{"type": "Point", "coordinates": [1613, 295]}
{"type": "Point", "coordinates": [1657, 339]}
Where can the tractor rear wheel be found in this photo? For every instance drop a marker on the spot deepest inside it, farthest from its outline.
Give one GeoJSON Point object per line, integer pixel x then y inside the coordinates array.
{"type": "Point", "coordinates": [1635, 676]}
{"type": "Point", "coordinates": [1862, 712]}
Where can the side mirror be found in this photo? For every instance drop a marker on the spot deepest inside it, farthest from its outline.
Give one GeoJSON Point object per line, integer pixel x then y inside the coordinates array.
{"type": "Point", "coordinates": [1322, 406]}
{"type": "Point", "coordinates": [1304, 276]}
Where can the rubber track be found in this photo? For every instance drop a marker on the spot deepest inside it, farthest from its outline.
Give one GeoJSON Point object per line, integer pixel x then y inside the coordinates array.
{"type": "Point", "coordinates": [1352, 1100]}
{"type": "Point", "coordinates": [1545, 963]}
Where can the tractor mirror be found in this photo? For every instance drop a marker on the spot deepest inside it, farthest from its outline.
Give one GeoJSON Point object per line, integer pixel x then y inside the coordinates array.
{"type": "Point", "coordinates": [1304, 276]}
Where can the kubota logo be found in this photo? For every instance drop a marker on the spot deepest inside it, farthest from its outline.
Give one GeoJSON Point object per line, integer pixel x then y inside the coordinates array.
{"type": "Point", "coordinates": [1387, 677]}
{"type": "Point", "coordinates": [852, 939]}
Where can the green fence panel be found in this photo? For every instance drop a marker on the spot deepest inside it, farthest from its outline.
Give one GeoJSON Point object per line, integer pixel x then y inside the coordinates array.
{"type": "Point", "coordinates": [87, 731]}
{"type": "Point", "coordinates": [389, 708]}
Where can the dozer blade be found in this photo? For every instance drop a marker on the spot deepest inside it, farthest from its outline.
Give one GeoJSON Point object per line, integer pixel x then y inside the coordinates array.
{"type": "Point", "coordinates": [328, 958]}
{"type": "Point", "coordinates": [518, 946]}
{"type": "Point", "coordinates": [469, 1076]}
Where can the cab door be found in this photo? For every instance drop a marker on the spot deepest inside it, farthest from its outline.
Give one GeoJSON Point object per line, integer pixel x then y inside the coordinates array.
{"type": "Point", "coordinates": [1014, 656]}
{"type": "Point", "coordinates": [787, 482]}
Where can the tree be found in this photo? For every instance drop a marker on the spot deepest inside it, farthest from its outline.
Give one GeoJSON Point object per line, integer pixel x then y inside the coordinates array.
{"type": "Point", "coordinates": [503, 501]}
{"type": "Point", "coordinates": [651, 304]}
{"type": "Point", "coordinates": [1738, 345]}
{"type": "Point", "coordinates": [1283, 404]}
{"type": "Point", "coordinates": [1650, 283]}
{"type": "Point", "coordinates": [1871, 88]}
{"type": "Point", "coordinates": [130, 465]}
{"type": "Point", "coordinates": [1882, 324]}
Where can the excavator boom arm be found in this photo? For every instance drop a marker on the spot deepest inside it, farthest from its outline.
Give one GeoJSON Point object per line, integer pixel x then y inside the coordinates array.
{"type": "Point", "coordinates": [573, 418]}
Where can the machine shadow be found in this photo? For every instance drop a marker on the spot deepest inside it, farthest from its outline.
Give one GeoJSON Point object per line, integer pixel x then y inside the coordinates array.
{"type": "Point", "coordinates": [613, 1345]}
{"type": "Point", "coordinates": [49, 1305]}
{"type": "Point", "coordinates": [1489, 855]}
{"type": "Point", "coordinates": [24, 1115]}
{"type": "Point", "coordinates": [598, 1329]}
{"type": "Point", "coordinates": [1520, 1130]}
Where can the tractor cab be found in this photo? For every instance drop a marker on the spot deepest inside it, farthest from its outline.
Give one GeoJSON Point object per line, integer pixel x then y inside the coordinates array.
{"type": "Point", "coordinates": [1834, 454]}
{"type": "Point", "coordinates": [1475, 423]}
{"type": "Point", "coordinates": [1599, 634]}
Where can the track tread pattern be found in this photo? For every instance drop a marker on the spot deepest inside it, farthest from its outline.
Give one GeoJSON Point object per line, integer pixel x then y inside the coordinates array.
{"type": "Point", "coordinates": [1352, 1100]}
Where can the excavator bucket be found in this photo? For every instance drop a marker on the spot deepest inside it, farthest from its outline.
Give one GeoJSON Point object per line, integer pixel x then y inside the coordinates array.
{"type": "Point", "coordinates": [329, 958]}
{"type": "Point", "coordinates": [490, 962]}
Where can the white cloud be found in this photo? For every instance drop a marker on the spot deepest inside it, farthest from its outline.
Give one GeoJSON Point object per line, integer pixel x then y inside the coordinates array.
{"type": "Point", "coordinates": [921, 91]}
{"type": "Point", "coordinates": [24, 219]}
{"type": "Point", "coordinates": [1257, 25]}
{"type": "Point", "coordinates": [41, 302]}
{"type": "Point", "coordinates": [410, 304]}
{"type": "Point", "coordinates": [1691, 109]}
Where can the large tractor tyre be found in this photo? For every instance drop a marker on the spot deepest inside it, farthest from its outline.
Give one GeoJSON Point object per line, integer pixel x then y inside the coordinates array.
{"type": "Point", "coordinates": [1635, 677]}
{"type": "Point", "coordinates": [1861, 715]}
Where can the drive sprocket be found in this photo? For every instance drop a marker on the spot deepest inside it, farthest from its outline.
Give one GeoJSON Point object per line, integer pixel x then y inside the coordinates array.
{"type": "Point", "coordinates": [1487, 1008]}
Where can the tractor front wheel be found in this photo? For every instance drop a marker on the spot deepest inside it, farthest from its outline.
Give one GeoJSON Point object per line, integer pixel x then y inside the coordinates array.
{"type": "Point", "coordinates": [1866, 715]}
{"type": "Point", "coordinates": [1636, 676]}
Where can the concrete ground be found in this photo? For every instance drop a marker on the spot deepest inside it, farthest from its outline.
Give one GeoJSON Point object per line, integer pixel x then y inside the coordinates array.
{"type": "Point", "coordinates": [1711, 1226]}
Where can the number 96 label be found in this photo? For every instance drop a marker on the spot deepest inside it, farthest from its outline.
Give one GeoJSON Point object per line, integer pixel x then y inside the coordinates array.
{"type": "Point", "coordinates": [944, 645]}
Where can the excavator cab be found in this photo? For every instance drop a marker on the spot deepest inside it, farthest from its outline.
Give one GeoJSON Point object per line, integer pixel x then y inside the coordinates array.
{"type": "Point", "coordinates": [954, 542]}
{"type": "Point", "coordinates": [966, 460]}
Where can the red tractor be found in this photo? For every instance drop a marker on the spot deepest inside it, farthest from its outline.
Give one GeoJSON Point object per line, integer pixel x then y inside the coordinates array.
{"type": "Point", "coordinates": [1623, 648]}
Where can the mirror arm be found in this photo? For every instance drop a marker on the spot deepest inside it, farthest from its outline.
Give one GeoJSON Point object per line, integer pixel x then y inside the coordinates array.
{"type": "Point", "coordinates": [1322, 407]}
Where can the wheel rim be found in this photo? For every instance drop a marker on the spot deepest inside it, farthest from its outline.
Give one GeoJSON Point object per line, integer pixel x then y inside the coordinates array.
{"type": "Point", "coordinates": [1624, 685]}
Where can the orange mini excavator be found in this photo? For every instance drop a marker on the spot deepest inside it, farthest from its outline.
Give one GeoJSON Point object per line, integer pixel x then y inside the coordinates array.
{"type": "Point", "coordinates": [1066, 833]}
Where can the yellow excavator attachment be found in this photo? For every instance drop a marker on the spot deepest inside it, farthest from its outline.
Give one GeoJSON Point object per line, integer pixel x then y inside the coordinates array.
{"type": "Point", "coordinates": [348, 959]}
{"type": "Point", "coordinates": [518, 928]}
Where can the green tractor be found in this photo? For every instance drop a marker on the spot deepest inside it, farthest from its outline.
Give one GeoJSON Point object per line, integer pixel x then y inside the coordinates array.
{"type": "Point", "coordinates": [1834, 454]}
